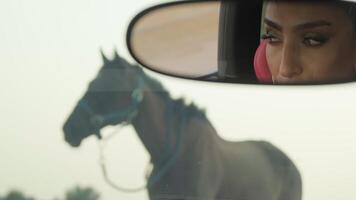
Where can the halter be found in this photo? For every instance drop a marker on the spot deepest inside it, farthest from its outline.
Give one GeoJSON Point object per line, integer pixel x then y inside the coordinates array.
{"type": "Point", "coordinates": [126, 115]}
{"type": "Point", "coordinates": [123, 115]}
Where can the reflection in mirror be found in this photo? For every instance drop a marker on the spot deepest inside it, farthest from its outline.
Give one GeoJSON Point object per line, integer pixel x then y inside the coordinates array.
{"type": "Point", "coordinates": [183, 37]}
{"type": "Point", "coordinates": [310, 42]}
{"type": "Point", "coordinates": [271, 42]}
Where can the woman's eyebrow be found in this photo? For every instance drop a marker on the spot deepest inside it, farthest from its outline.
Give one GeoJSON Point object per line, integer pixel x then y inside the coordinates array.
{"type": "Point", "coordinates": [307, 25]}
{"type": "Point", "coordinates": [272, 24]}
{"type": "Point", "coordinates": [313, 24]}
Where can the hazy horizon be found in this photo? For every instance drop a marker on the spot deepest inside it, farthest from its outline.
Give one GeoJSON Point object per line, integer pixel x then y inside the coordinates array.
{"type": "Point", "coordinates": [50, 52]}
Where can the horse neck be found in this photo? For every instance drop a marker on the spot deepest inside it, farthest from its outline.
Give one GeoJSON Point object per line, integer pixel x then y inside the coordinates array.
{"type": "Point", "coordinates": [161, 119]}
{"type": "Point", "coordinates": [150, 123]}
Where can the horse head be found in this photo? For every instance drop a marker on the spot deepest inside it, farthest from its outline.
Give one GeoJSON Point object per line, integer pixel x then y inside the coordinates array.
{"type": "Point", "coordinates": [112, 98]}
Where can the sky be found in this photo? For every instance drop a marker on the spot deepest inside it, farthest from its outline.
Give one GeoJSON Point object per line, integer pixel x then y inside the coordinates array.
{"type": "Point", "coordinates": [50, 51]}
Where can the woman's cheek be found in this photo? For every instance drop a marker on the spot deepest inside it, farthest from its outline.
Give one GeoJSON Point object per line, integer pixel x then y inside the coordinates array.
{"type": "Point", "coordinates": [326, 62]}
{"type": "Point", "coordinates": [323, 65]}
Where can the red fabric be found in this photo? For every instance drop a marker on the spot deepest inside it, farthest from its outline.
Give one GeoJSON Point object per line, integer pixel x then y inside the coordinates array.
{"type": "Point", "coordinates": [260, 64]}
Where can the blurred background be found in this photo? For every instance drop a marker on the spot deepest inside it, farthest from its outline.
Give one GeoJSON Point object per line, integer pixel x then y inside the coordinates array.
{"type": "Point", "coordinates": [49, 53]}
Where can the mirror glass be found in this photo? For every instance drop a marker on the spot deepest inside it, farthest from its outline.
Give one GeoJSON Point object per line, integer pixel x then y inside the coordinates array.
{"type": "Point", "coordinates": [180, 40]}
{"type": "Point", "coordinates": [270, 42]}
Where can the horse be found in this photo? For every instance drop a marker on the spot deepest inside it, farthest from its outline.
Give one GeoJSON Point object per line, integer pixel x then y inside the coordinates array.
{"type": "Point", "coordinates": [190, 160]}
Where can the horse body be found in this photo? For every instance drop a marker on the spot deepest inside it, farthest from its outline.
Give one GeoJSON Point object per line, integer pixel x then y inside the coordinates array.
{"type": "Point", "coordinates": [190, 160]}
{"type": "Point", "coordinates": [212, 168]}
{"type": "Point", "coordinates": [260, 171]}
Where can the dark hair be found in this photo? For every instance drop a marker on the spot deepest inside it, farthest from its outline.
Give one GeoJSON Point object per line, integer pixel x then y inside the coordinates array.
{"type": "Point", "coordinates": [350, 9]}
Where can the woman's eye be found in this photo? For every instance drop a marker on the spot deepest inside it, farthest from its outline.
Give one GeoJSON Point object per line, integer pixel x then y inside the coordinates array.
{"type": "Point", "coordinates": [270, 37]}
{"type": "Point", "coordinates": [314, 41]}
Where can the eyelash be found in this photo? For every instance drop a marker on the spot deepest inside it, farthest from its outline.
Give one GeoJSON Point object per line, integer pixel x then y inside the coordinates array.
{"type": "Point", "coordinates": [320, 40]}
{"type": "Point", "coordinates": [307, 40]}
{"type": "Point", "coordinates": [270, 37]}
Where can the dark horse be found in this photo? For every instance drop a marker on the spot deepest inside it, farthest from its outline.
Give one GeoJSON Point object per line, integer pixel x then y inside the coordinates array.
{"type": "Point", "coordinates": [190, 160]}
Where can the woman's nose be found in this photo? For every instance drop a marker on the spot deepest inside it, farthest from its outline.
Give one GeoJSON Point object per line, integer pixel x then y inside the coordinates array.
{"type": "Point", "coordinates": [290, 62]}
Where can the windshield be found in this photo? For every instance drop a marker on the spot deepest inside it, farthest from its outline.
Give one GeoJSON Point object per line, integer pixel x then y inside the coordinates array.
{"type": "Point", "coordinates": [52, 52]}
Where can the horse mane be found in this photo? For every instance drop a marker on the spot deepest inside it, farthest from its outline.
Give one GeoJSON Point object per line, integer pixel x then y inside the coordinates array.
{"type": "Point", "coordinates": [177, 104]}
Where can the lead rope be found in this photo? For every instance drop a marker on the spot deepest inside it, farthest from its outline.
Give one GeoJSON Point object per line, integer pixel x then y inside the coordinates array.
{"type": "Point", "coordinates": [102, 143]}
{"type": "Point", "coordinates": [165, 164]}
{"type": "Point", "coordinates": [137, 96]}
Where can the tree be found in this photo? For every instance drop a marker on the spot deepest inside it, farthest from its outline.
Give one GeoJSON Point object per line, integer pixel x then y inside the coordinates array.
{"type": "Point", "coordinates": [16, 195]}
{"type": "Point", "coordinates": [79, 193]}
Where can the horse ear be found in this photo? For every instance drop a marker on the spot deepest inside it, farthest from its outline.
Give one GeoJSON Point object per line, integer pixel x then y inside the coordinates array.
{"type": "Point", "coordinates": [116, 55]}
{"type": "Point", "coordinates": [105, 59]}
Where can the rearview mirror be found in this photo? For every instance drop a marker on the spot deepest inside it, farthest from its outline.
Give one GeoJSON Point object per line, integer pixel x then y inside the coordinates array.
{"type": "Point", "coordinates": [251, 42]}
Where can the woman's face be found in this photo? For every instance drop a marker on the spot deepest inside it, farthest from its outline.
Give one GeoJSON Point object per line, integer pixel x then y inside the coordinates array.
{"type": "Point", "coordinates": [309, 43]}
